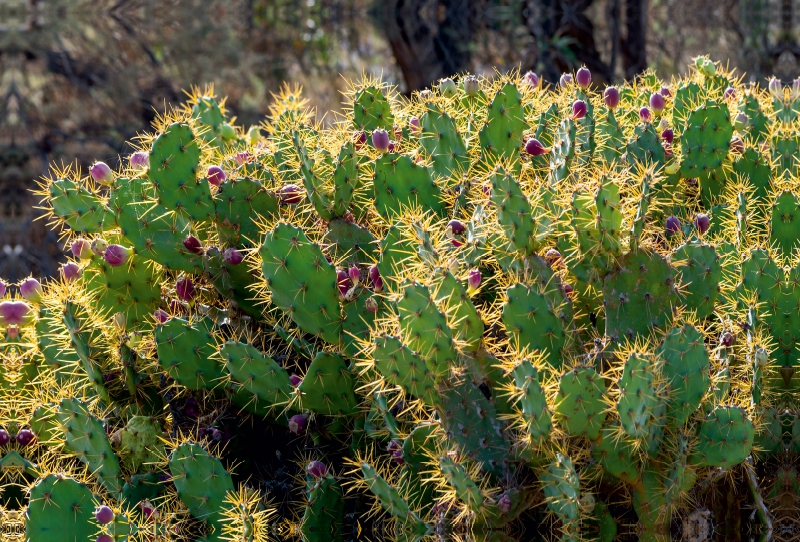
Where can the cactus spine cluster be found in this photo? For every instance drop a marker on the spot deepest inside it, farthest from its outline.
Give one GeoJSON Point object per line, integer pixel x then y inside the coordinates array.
{"type": "Point", "coordinates": [491, 304]}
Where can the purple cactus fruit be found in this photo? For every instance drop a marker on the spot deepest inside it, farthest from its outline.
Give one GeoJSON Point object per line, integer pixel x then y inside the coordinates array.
{"type": "Point", "coordinates": [371, 304]}
{"type": "Point", "coordinates": [702, 222]}
{"type": "Point", "coordinates": [3, 288]}
{"type": "Point", "coordinates": [148, 510]}
{"type": "Point", "coordinates": [185, 288]}
{"type": "Point", "coordinates": [657, 102]}
{"type": "Point", "coordinates": [667, 149]}
{"type": "Point", "coordinates": [317, 469]}
{"type": "Point", "coordinates": [729, 93]}
{"type": "Point", "coordinates": [243, 157]}
{"type": "Point", "coordinates": [104, 538]}
{"type": "Point", "coordinates": [160, 316]}
{"type": "Point", "coordinates": [775, 87]}
{"type": "Point", "coordinates": [691, 182]}
{"type": "Point", "coordinates": [101, 173]}
{"type": "Point", "coordinates": [31, 289]}
{"type": "Point", "coordinates": [380, 139]}
{"type": "Point", "coordinates": [534, 147]}
{"type": "Point", "coordinates": [471, 86]}
{"type": "Point", "coordinates": [531, 79]}
{"type": "Point", "coordinates": [295, 380]}
{"type": "Point", "coordinates": [375, 277]}
{"type": "Point", "coordinates": [190, 408]}
{"type": "Point", "coordinates": [414, 125]}
{"type": "Point", "coordinates": [565, 80]}
{"type": "Point", "coordinates": [568, 289]}
{"type": "Point", "coordinates": [343, 281]}
{"type": "Point", "coordinates": [737, 145]}
{"type": "Point", "coordinates": [232, 256]}
{"type": "Point", "coordinates": [397, 132]}
{"type": "Point", "coordinates": [12, 333]}
{"type": "Point", "coordinates": [99, 246]}
{"type": "Point", "coordinates": [726, 339]}
{"type": "Point", "coordinates": [611, 97]}
{"type": "Point", "coordinates": [583, 77]}
{"type": "Point", "coordinates": [578, 109]}
{"type": "Point", "coordinates": [456, 227]}
{"type": "Point", "coordinates": [504, 503]}
{"type": "Point", "coordinates": [456, 243]}
{"type": "Point", "coordinates": [741, 121]}
{"type": "Point", "coordinates": [474, 279]}
{"type": "Point", "coordinates": [552, 257]}
{"type": "Point", "coordinates": [298, 423]}
{"type": "Point", "coordinates": [665, 92]}
{"type": "Point", "coordinates": [81, 248]}
{"type": "Point", "coordinates": [117, 255]}
{"type": "Point", "coordinates": [644, 114]}
{"type": "Point", "coordinates": [192, 244]}
{"type": "Point", "coordinates": [139, 159]}
{"type": "Point", "coordinates": [103, 514]}
{"type": "Point", "coordinates": [15, 313]}
{"type": "Point", "coordinates": [360, 138]}
{"type": "Point", "coordinates": [291, 194]}
{"type": "Point", "coordinates": [5, 438]}
{"type": "Point", "coordinates": [25, 437]}
{"type": "Point", "coordinates": [71, 271]}
{"type": "Point", "coordinates": [216, 175]}
{"type": "Point", "coordinates": [391, 146]}
{"type": "Point", "coordinates": [668, 135]}
{"type": "Point", "coordinates": [354, 273]}
{"type": "Point", "coordinates": [673, 225]}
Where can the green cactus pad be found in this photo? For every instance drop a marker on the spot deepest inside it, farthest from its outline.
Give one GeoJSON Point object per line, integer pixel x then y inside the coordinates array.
{"type": "Point", "coordinates": [324, 511]}
{"type": "Point", "coordinates": [425, 329]}
{"type": "Point", "coordinates": [784, 229]}
{"type": "Point", "coordinates": [238, 206]}
{"type": "Point", "coordinates": [609, 136]}
{"type": "Point", "coordinates": [257, 373]}
{"type": "Point", "coordinates": [639, 397]}
{"type": "Point", "coordinates": [400, 366]}
{"type": "Point", "coordinates": [389, 497]}
{"type": "Point", "coordinates": [501, 136]}
{"type": "Point", "coordinates": [644, 147]}
{"type": "Point", "coordinates": [328, 387]}
{"type": "Point", "coordinates": [579, 406]}
{"type": "Point", "coordinates": [465, 322]}
{"type": "Point", "coordinates": [532, 402]}
{"type": "Point", "coordinates": [443, 143]}
{"type": "Point", "coordinates": [371, 110]}
{"type": "Point", "coordinates": [419, 446]}
{"type": "Point", "coordinates": [515, 213]}
{"type": "Point", "coordinates": [757, 169]}
{"type": "Point", "coordinates": [185, 351]}
{"type": "Point", "coordinates": [616, 453]}
{"type": "Point", "coordinates": [400, 183]}
{"type": "Point", "coordinates": [139, 442]}
{"type": "Point", "coordinates": [60, 509]}
{"type": "Point", "coordinates": [686, 368]}
{"type": "Point", "coordinates": [457, 478]}
{"type": "Point", "coordinates": [201, 481]}
{"type": "Point", "coordinates": [302, 282]}
{"type": "Point", "coordinates": [725, 438]}
{"type": "Point", "coordinates": [81, 337]}
{"type": "Point", "coordinates": [705, 139]}
{"type": "Point", "coordinates": [562, 488]}
{"type": "Point", "coordinates": [700, 273]}
{"type": "Point", "coordinates": [79, 208]}
{"type": "Point", "coordinates": [532, 324]}
{"type": "Point", "coordinates": [234, 282]}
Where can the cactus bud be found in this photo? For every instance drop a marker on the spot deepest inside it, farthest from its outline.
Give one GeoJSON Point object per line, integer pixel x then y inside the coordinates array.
{"type": "Point", "coordinates": [729, 93]}
{"type": "Point", "coordinates": [317, 469]}
{"type": "Point", "coordinates": [185, 288]}
{"type": "Point", "coordinates": [99, 246]}
{"type": "Point", "coordinates": [552, 257]}
{"type": "Point", "coordinates": [673, 226]}
{"type": "Point", "coordinates": [216, 175]}
{"type": "Point", "coordinates": [371, 304]}
{"type": "Point", "coordinates": [644, 114]}
{"type": "Point", "coordinates": [668, 135]}
{"type": "Point", "coordinates": [2, 288]}
{"type": "Point", "coordinates": [473, 280]}
{"type": "Point", "coordinates": [578, 109]}
{"type": "Point", "coordinates": [253, 134]}
{"type": "Point", "coordinates": [81, 248]}
{"type": "Point", "coordinates": [568, 289]}
{"type": "Point", "coordinates": [775, 87]}
{"type": "Point", "coordinates": [360, 138]}
{"type": "Point", "coordinates": [117, 255]}
{"type": "Point", "coordinates": [391, 146]}
{"type": "Point", "coordinates": [425, 95]}
{"type": "Point", "coordinates": [343, 281]}
{"type": "Point", "coordinates": [291, 194]}
{"type": "Point", "coordinates": [295, 380]}
{"type": "Point", "coordinates": [16, 313]}
{"type": "Point", "coordinates": [414, 125]}
{"type": "Point", "coordinates": [534, 147]}
{"type": "Point", "coordinates": [455, 227]}
{"type": "Point", "coordinates": [741, 121]}
{"type": "Point", "coordinates": [139, 160]}
{"type": "Point", "coordinates": [663, 125]}
{"type": "Point", "coordinates": [702, 222]}
{"type": "Point", "coordinates": [71, 271]}
{"type": "Point", "coordinates": [657, 102]}
{"type": "Point", "coordinates": [708, 68]}
{"type": "Point", "coordinates": [148, 510]}
{"type": "Point", "coordinates": [192, 244]}
{"type": "Point", "coordinates": [160, 316]}
{"type": "Point", "coordinates": [691, 181]}
{"type": "Point", "coordinates": [380, 140]}
{"type": "Point", "coordinates": [565, 80]}
{"type": "Point", "coordinates": [232, 256]}
{"type": "Point", "coordinates": [726, 339]}
{"type": "Point", "coordinates": [504, 504]}
{"type": "Point", "coordinates": [611, 97]}
{"type": "Point", "coordinates": [761, 357]}
{"type": "Point", "coordinates": [375, 277]}
{"type": "Point", "coordinates": [354, 273]}
{"type": "Point", "coordinates": [447, 87]}
{"type": "Point", "coordinates": [101, 173]}
{"type": "Point", "coordinates": [5, 438]}
{"type": "Point", "coordinates": [25, 437]}
{"type": "Point", "coordinates": [298, 423]}
{"type": "Point", "coordinates": [227, 131]}
{"type": "Point", "coordinates": [31, 289]}
{"type": "Point", "coordinates": [665, 92]}
{"type": "Point", "coordinates": [737, 145]}
{"type": "Point", "coordinates": [471, 86]}
{"type": "Point", "coordinates": [531, 79]}
{"type": "Point", "coordinates": [103, 514]}
{"type": "Point", "coordinates": [583, 77]}
{"type": "Point", "coordinates": [243, 157]}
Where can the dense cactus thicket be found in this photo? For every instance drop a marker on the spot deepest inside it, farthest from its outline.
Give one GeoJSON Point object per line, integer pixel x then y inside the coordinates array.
{"type": "Point", "coordinates": [493, 308]}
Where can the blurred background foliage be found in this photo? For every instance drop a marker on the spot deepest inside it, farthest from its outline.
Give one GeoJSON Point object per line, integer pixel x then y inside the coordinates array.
{"type": "Point", "coordinates": [80, 77]}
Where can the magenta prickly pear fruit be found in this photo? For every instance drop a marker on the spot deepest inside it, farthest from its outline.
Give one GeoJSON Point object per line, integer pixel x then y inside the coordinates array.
{"type": "Point", "coordinates": [31, 289]}
{"type": "Point", "coordinates": [737, 145]}
{"type": "Point", "coordinates": [471, 86]}
{"type": "Point", "coordinates": [691, 182]}
{"type": "Point", "coordinates": [534, 147]}
{"type": "Point", "coordinates": [552, 257]}
{"type": "Point", "coordinates": [101, 173]}
{"type": "Point", "coordinates": [81, 248]}
{"type": "Point", "coordinates": [455, 227]}
{"type": "Point", "coordinates": [375, 277]}
{"type": "Point", "coordinates": [103, 514]}
{"type": "Point", "coordinates": [15, 313]}
{"type": "Point", "coordinates": [5, 438]}
{"type": "Point", "coordinates": [360, 138]}
{"type": "Point", "coordinates": [371, 304]}
{"type": "Point", "coordinates": [192, 244]}
{"type": "Point", "coordinates": [298, 423]}
{"type": "Point", "coordinates": [726, 339]}
{"type": "Point", "coordinates": [568, 289]}
{"type": "Point", "coordinates": [583, 77]}
{"type": "Point", "coordinates": [531, 79]}
{"type": "Point", "coordinates": [291, 194]}
{"type": "Point", "coordinates": [71, 271]}
{"type": "Point", "coordinates": [657, 102]}
{"type": "Point", "coordinates": [216, 175]}
{"type": "Point", "coordinates": [380, 140]}
{"type": "Point", "coordinates": [99, 246]}
{"type": "Point", "coordinates": [504, 504]}
{"type": "Point", "coordinates": [104, 538]}
{"type": "Point", "coordinates": [148, 510]}
{"type": "Point", "coordinates": [702, 222]}
{"type": "Point", "coordinates": [354, 273]}
{"type": "Point", "coordinates": [644, 114]}
{"type": "Point", "coordinates": [397, 132]}
{"type": "Point", "coordinates": [414, 125]}
{"type": "Point", "coordinates": [740, 121]}
{"type": "Point", "coordinates": [117, 255]}
{"type": "Point", "coordinates": [139, 160]}
{"type": "Point", "coordinates": [317, 469]}
{"type": "Point", "coordinates": [473, 279]}
{"type": "Point", "coordinates": [668, 135]}
{"type": "Point", "coordinates": [667, 149]}
{"type": "Point", "coordinates": [25, 437]}
{"type": "Point", "coordinates": [232, 256]}
{"type": "Point", "coordinates": [565, 80]}
{"type": "Point", "coordinates": [243, 157]}
{"type": "Point", "coordinates": [665, 92]}
{"type": "Point", "coordinates": [295, 380]}
{"type": "Point", "coordinates": [578, 109]}
{"type": "Point", "coordinates": [611, 97]}
{"type": "Point", "coordinates": [673, 225]}
{"type": "Point", "coordinates": [184, 287]}
{"type": "Point", "coordinates": [343, 281]}
{"type": "Point", "coordinates": [391, 146]}
{"type": "Point", "coordinates": [729, 93]}
{"type": "Point", "coordinates": [396, 451]}
{"type": "Point", "coordinates": [160, 316]}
